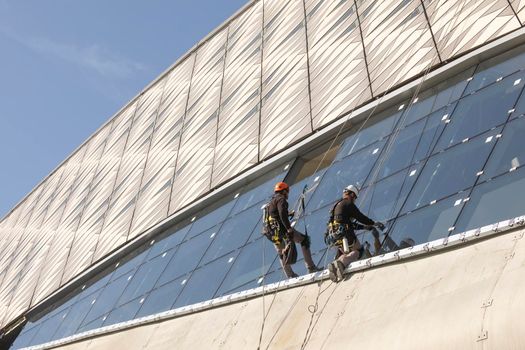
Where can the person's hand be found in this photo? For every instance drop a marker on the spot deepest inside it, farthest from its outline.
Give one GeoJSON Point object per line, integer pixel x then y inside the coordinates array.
{"type": "Point", "coordinates": [377, 245]}
{"type": "Point", "coordinates": [289, 234]}
{"type": "Point", "coordinates": [379, 225]}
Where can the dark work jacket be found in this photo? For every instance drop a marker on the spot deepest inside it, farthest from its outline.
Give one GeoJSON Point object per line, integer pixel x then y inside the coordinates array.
{"type": "Point", "coordinates": [345, 211]}
{"type": "Point", "coordinates": [278, 209]}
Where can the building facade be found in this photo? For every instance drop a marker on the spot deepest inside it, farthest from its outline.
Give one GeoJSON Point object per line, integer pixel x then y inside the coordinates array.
{"type": "Point", "coordinates": [418, 103]}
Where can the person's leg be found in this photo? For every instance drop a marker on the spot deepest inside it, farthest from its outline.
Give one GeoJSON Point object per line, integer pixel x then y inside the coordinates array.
{"type": "Point", "coordinates": [345, 259]}
{"type": "Point", "coordinates": [286, 268]}
{"type": "Point", "coordinates": [298, 237]}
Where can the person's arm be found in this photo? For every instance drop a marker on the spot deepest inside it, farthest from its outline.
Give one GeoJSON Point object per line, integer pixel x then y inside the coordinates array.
{"type": "Point", "coordinates": [362, 218]}
{"type": "Point", "coordinates": [282, 207]}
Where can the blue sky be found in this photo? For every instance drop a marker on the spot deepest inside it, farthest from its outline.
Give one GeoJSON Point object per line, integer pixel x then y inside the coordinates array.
{"type": "Point", "coordinates": [67, 66]}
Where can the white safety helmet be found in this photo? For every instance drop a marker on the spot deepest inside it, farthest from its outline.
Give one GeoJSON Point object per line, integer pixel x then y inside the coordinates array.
{"type": "Point", "coordinates": [352, 188]}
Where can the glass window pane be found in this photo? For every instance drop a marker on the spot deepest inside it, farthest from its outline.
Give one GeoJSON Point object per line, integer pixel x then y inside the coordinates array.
{"type": "Point", "coordinates": [370, 133]}
{"type": "Point", "coordinates": [204, 281]}
{"type": "Point", "coordinates": [258, 193]}
{"type": "Point", "coordinates": [47, 329]}
{"type": "Point", "coordinates": [494, 201]}
{"type": "Point", "coordinates": [145, 277]}
{"type": "Point", "coordinates": [316, 223]}
{"type": "Point", "coordinates": [400, 153]}
{"type": "Point", "coordinates": [497, 67]}
{"type": "Point", "coordinates": [128, 266]}
{"type": "Point", "coordinates": [92, 325]}
{"type": "Point", "coordinates": [451, 171]}
{"type": "Point", "coordinates": [483, 110]}
{"type": "Point", "coordinates": [248, 267]}
{"type": "Point", "coordinates": [509, 151]}
{"type": "Point", "coordinates": [434, 125]}
{"type": "Point", "coordinates": [215, 217]}
{"type": "Point", "coordinates": [428, 223]}
{"type": "Point", "coordinates": [107, 299]}
{"type": "Point", "coordinates": [452, 89]}
{"type": "Point", "coordinates": [187, 256]}
{"type": "Point", "coordinates": [124, 312]}
{"type": "Point", "coordinates": [25, 339]}
{"type": "Point", "coordinates": [351, 170]}
{"type": "Point", "coordinates": [169, 240]}
{"type": "Point", "coordinates": [519, 109]}
{"type": "Point", "coordinates": [382, 201]}
{"type": "Point", "coordinates": [161, 298]}
{"type": "Point", "coordinates": [234, 233]}
{"type": "Point", "coordinates": [75, 316]}
{"type": "Point", "coordinates": [419, 109]}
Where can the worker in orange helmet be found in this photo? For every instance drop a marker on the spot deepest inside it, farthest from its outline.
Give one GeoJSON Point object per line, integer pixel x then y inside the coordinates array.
{"type": "Point", "coordinates": [278, 229]}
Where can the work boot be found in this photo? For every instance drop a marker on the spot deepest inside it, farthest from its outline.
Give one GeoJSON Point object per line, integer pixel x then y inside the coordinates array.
{"type": "Point", "coordinates": [340, 270]}
{"type": "Point", "coordinates": [314, 268]}
{"type": "Point", "coordinates": [332, 271]}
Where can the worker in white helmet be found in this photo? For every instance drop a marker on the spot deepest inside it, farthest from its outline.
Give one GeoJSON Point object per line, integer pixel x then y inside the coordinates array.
{"type": "Point", "coordinates": [341, 233]}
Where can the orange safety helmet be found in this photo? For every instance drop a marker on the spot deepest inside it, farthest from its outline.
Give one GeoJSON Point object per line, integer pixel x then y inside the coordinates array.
{"type": "Point", "coordinates": [281, 186]}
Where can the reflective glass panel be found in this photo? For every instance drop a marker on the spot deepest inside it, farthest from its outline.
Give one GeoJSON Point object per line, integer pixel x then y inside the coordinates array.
{"type": "Point", "coordinates": [173, 238]}
{"type": "Point", "coordinates": [509, 151]}
{"type": "Point", "coordinates": [501, 66]}
{"type": "Point", "coordinates": [452, 89]}
{"type": "Point", "coordinates": [400, 152]}
{"type": "Point", "coordinates": [317, 225]}
{"type": "Point", "coordinates": [187, 256]}
{"type": "Point", "coordinates": [92, 325]}
{"type": "Point", "coordinates": [128, 266]}
{"type": "Point", "coordinates": [351, 170]}
{"type": "Point", "coordinates": [161, 298]}
{"type": "Point", "coordinates": [234, 233]}
{"type": "Point", "coordinates": [257, 194]}
{"type": "Point", "coordinates": [107, 299]}
{"type": "Point", "coordinates": [211, 219]}
{"type": "Point", "coordinates": [47, 329]}
{"type": "Point", "coordinates": [75, 316]}
{"type": "Point", "coordinates": [428, 223]}
{"type": "Point", "coordinates": [451, 171]}
{"type": "Point", "coordinates": [25, 338]}
{"type": "Point", "coordinates": [249, 267]}
{"type": "Point", "coordinates": [418, 109]}
{"type": "Point", "coordinates": [485, 109]}
{"type": "Point", "coordinates": [204, 282]}
{"type": "Point", "coordinates": [519, 109]}
{"type": "Point", "coordinates": [434, 125]}
{"type": "Point", "coordinates": [382, 201]}
{"type": "Point", "coordinates": [370, 133]}
{"type": "Point", "coordinates": [145, 277]}
{"type": "Point", "coordinates": [494, 201]}
{"type": "Point", "coordinates": [124, 312]}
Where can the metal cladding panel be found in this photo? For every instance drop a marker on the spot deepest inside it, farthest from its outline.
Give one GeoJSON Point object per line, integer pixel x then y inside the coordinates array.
{"type": "Point", "coordinates": [519, 7]}
{"type": "Point", "coordinates": [459, 26]}
{"type": "Point", "coordinates": [63, 235]}
{"type": "Point", "coordinates": [153, 202]}
{"type": "Point", "coordinates": [238, 132]}
{"type": "Point", "coordinates": [87, 234]}
{"type": "Point", "coordinates": [398, 41]}
{"type": "Point", "coordinates": [285, 114]}
{"type": "Point", "coordinates": [29, 275]}
{"type": "Point", "coordinates": [119, 215]}
{"type": "Point", "coordinates": [195, 159]}
{"type": "Point", "coordinates": [338, 76]}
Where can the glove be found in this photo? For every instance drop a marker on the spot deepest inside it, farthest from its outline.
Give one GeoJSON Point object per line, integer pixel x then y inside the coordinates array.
{"type": "Point", "coordinates": [291, 214]}
{"type": "Point", "coordinates": [379, 225]}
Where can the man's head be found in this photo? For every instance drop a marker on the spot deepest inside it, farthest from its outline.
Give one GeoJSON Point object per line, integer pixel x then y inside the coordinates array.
{"type": "Point", "coordinates": [282, 187]}
{"type": "Point", "coordinates": [350, 192]}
